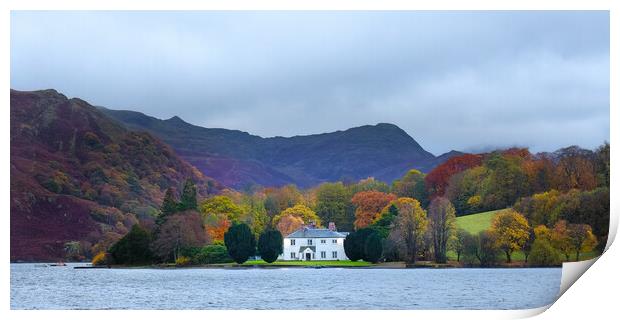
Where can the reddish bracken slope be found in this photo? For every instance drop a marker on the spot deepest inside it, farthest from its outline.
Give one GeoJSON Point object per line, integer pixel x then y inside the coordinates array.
{"type": "Point", "coordinates": [79, 177]}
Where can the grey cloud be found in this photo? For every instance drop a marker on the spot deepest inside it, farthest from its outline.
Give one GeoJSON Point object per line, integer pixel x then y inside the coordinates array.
{"type": "Point", "coordinates": [452, 80]}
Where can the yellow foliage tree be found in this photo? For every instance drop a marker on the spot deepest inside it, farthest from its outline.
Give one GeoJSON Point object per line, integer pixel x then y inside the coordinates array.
{"type": "Point", "coordinates": [301, 211]}
{"type": "Point", "coordinates": [411, 225]}
{"type": "Point", "coordinates": [542, 232]}
{"type": "Point", "coordinates": [511, 231]}
{"type": "Point", "coordinates": [99, 259]}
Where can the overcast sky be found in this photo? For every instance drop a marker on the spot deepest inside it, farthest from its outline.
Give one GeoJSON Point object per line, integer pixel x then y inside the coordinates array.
{"type": "Point", "coordinates": [452, 80]}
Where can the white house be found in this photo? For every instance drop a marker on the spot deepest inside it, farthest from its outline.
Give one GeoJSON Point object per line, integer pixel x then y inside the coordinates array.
{"type": "Point", "coordinates": [311, 243]}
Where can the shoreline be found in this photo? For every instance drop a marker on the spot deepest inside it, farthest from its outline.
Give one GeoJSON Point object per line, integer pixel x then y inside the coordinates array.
{"type": "Point", "coordinates": [400, 265]}
{"type": "Point", "coordinates": [317, 267]}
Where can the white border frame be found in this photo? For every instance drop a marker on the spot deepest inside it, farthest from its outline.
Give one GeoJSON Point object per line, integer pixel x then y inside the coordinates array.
{"type": "Point", "coordinates": [592, 296]}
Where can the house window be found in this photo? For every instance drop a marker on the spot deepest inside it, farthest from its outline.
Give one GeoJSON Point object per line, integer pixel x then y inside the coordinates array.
{"type": "Point", "coordinates": [335, 254]}
{"type": "Point", "coordinates": [292, 255]}
{"type": "Point", "coordinates": [334, 240]}
{"type": "Point", "coordinates": [323, 254]}
{"type": "Point", "coordinates": [309, 242]}
{"type": "Point", "coordinates": [292, 242]}
{"type": "Point", "coordinates": [322, 241]}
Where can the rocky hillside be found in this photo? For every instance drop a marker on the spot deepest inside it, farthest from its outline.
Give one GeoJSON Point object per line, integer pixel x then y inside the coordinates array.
{"type": "Point", "coordinates": [238, 159]}
{"type": "Point", "coordinates": [79, 179]}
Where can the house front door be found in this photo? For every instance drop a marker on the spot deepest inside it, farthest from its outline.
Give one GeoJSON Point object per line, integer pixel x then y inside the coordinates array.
{"type": "Point", "coordinates": [308, 256]}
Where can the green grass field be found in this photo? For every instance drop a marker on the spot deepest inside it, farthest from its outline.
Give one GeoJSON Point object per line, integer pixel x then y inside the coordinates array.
{"type": "Point", "coordinates": [474, 223]}
{"type": "Point", "coordinates": [311, 263]}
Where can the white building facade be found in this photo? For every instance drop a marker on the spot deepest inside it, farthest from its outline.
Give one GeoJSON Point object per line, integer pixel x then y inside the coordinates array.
{"type": "Point", "coordinates": [308, 243]}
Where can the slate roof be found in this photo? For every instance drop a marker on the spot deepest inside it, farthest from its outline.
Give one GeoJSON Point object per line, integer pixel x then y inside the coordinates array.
{"type": "Point", "coordinates": [316, 233]}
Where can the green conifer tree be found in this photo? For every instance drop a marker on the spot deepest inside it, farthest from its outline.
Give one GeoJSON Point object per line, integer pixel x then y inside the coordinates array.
{"type": "Point", "coordinates": [168, 206]}
{"type": "Point", "coordinates": [188, 198]}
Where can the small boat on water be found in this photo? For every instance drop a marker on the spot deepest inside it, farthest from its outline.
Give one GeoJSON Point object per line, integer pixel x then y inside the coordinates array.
{"type": "Point", "coordinates": [59, 264]}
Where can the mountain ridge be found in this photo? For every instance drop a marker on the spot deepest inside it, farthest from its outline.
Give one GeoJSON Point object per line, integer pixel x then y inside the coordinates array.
{"type": "Point", "coordinates": [239, 159]}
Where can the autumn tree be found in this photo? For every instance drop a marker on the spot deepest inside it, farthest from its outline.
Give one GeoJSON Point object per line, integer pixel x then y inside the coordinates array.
{"type": "Point", "coordinates": [481, 248]}
{"type": "Point", "coordinates": [592, 208]}
{"type": "Point", "coordinates": [181, 230]}
{"type": "Point", "coordinates": [541, 208]}
{"type": "Point", "coordinates": [467, 190]}
{"type": "Point", "coordinates": [575, 206]}
{"type": "Point", "coordinates": [368, 184]}
{"type": "Point", "coordinates": [470, 247]}
{"type": "Point", "coordinates": [216, 228]}
{"type": "Point", "coordinates": [575, 169]}
{"type": "Point", "coordinates": [560, 239]}
{"type": "Point", "coordinates": [442, 224]}
{"type": "Point", "coordinates": [332, 201]}
{"type": "Point", "coordinates": [458, 241]}
{"type": "Point", "coordinates": [256, 215]}
{"type": "Point", "coordinates": [218, 214]}
{"type": "Point", "coordinates": [581, 238]}
{"type": "Point", "coordinates": [507, 181]}
{"type": "Point", "coordinates": [527, 245]}
{"type": "Point", "coordinates": [412, 185]}
{"type": "Point", "coordinates": [487, 248]}
{"type": "Point", "coordinates": [240, 242]}
{"type": "Point", "coordinates": [543, 253]}
{"type": "Point", "coordinates": [510, 230]}
{"type": "Point", "coordinates": [411, 223]}
{"type": "Point", "coordinates": [437, 180]}
{"type": "Point", "coordinates": [270, 245]}
{"type": "Point", "coordinates": [539, 172]}
{"type": "Point", "coordinates": [279, 199]}
{"type": "Point", "coordinates": [221, 206]}
{"type": "Point", "coordinates": [369, 205]}
{"type": "Point", "coordinates": [385, 221]}
{"type": "Point", "coordinates": [289, 223]}
{"type": "Point", "coordinates": [300, 211]}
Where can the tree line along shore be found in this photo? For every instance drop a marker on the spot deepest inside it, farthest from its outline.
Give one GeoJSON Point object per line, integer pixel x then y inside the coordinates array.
{"type": "Point", "coordinates": [504, 208]}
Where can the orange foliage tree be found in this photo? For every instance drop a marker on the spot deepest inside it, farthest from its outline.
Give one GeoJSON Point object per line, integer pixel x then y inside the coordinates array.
{"type": "Point", "coordinates": [437, 180]}
{"type": "Point", "coordinates": [575, 171]}
{"type": "Point", "coordinates": [288, 224]}
{"type": "Point", "coordinates": [369, 204]}
{"type": "Point", "coordinates": [216, 229]}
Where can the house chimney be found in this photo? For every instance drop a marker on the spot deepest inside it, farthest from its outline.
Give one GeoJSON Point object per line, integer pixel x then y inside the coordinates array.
{"type": "Point", "coordinates": [332, 226]}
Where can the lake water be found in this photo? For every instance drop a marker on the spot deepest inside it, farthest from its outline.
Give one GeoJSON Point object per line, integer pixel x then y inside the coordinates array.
{"type": "Point", "coordinates": [34, 286]}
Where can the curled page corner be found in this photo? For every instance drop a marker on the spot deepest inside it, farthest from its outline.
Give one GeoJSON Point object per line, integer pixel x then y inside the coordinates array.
{"type": "Point", "coordinates": [526, 313]}
{"type": "Point", "coordinates": [571, 271]}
